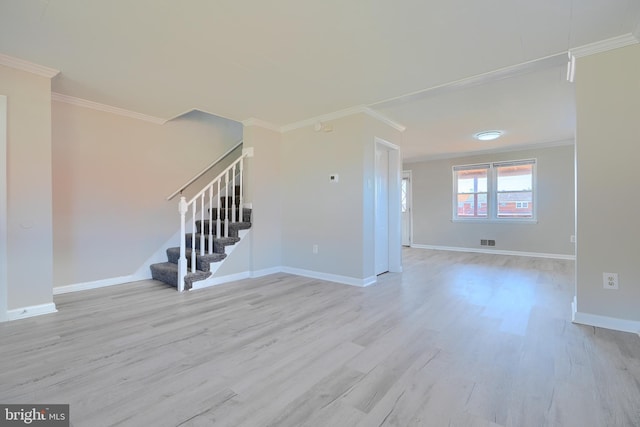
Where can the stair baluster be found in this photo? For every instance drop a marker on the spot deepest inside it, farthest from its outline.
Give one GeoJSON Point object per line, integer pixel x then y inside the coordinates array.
{"type": "Point", "coordinates": [182, 261]}
{"type": "Point", "coordinates": [193, 237]}
{"type": "Point", "coordinates": [226, 204]}
{"type": "Point", "coordinates": [210, 237]}
{"type": "Point", "coordinates": [219, 210]}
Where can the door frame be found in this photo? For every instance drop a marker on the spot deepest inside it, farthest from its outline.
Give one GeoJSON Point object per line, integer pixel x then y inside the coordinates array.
{"type": "Point", "coordinates": [394, 199]}
{"type": "Point", "coordinates": [408, 174]}
{"type": "Point", "coordinates": [3, 211]}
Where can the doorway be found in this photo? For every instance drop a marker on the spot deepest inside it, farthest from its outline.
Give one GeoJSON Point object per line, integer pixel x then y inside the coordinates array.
{"type": "Point", "coordinates": [406, 208]}
{"type": "Point", "coordinates": [382, 210]}
{"type": "Point", "coordinates": [387, 223]}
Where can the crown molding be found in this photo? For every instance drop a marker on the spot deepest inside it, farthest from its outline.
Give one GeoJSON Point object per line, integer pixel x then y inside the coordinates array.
{"type": "Point", "coordinates": [324, 118]}
{"type": "Point", "coordinates": [21, 64]}
{"type": "Point", "coordinates": [360, 109]}
{"type": "Point", "coordinates": [605, 45]}
{"type": "Point", "coordinates": [252, 121]}
{"type": "Point", "coordinates": [106, 108]}
{"type": "Point", "coordinates": [384, 119]}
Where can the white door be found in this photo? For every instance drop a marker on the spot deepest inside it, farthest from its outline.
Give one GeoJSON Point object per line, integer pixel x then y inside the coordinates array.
{"type": "Point", "coordinates": [406, 208]}
{"type": "Point", "coordinates": [382, 210]}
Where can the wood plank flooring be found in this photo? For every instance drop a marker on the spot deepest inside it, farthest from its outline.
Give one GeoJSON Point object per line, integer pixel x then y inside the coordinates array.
{"type": "Point", "coordinates": [458, 339]}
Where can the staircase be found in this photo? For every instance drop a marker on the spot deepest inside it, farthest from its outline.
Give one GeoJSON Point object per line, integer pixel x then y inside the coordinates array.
{"type": "Point", "coordinates": [167, 272]}
{"type": "Point", "coordinates": [222, 218]}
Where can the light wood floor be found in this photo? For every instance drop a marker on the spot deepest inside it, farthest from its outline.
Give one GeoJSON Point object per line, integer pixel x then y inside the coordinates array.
{"type": "Point", "coordinates": [458, 339]}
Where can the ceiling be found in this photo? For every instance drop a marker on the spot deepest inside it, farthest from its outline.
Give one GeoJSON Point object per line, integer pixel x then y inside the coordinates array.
{"type": "Point", "coordinates": [444, 69]}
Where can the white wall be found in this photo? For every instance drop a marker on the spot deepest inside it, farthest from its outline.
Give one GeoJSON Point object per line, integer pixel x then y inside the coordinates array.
{"type": "Point", "coordinates": [28, 188]}
{"type": "Point", "coordinates": [432, 205]}
{"type": "Point", "coordinates": [608, 151]}
{"type": "Point", "coordinates": [111, 177]}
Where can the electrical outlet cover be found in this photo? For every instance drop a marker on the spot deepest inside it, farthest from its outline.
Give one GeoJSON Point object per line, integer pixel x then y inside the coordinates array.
{"type": "Point", "coordinates": [610, 280]}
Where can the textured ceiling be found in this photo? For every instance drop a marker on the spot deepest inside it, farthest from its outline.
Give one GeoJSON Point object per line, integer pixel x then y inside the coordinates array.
{"type": "Point", "coordinates": [285, 61]}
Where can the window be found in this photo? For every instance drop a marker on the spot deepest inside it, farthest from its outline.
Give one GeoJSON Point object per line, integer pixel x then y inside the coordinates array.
{"type": "Point", "coordinates": [495, 191]}
{"type": "Point", "coordinates": [472, 192]}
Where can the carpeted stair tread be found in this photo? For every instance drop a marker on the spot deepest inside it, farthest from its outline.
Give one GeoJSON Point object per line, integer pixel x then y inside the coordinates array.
{"type": "Point", "coordinates": [202, 261]}
{"type": "Point", "coordinates": [167, 272]}
{"type": "Point", "coordinates": [219, 243]}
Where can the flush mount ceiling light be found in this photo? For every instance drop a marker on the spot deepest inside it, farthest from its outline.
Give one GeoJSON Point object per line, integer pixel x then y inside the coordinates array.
{"type": "Point", "coordinates": [488, 135]}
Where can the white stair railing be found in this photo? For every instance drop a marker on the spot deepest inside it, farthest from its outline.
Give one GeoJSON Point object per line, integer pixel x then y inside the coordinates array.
{"type": "Point", "coordinates": [203, 205]}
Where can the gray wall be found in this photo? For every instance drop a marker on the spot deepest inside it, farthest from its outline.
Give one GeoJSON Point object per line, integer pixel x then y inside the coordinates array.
{"type": "Point", "coordinates": [263, 191]}
{"type": "Point", "coordinates": [338, 217]}
{"type": "Point", "coordinates": [28, 181]}
{"type": "Point", "coordinates": [316, 211]}
{"type": "Point", "coordinates": [432, 205]}
{"type": "Point", "coordinates": [608, 151]}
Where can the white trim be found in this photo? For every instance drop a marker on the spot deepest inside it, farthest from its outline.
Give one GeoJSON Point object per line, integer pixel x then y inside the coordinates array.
{"type": "Point", "coordinates": [344, 113]}
{"type": "Point", "coordinates": [252, 121]}
{"type": "Point", "coordinates": [476, 80]}
{"type": "Point", "coordinates": [198, 110]}
{"type": "Point", "coordinates": [34, 310]}
{"type": "Point", "coordinates": [323, 118]}
{"type": "Point", "coordinates": [266, 272]}
{"type": "Point", "coordinates": [202, 284]}
{"type": "Point", "coordinates": [384, 119]}
{"type": "Point", "coordinates": [21, 64]}
{"type": "Point", "coordinates": [4, 282]}
{"type": "Point", "coordinates": [603, 321]}
{"type": "Point", "coordinates": [495, 252]}
{"type": "Point", "coordinates": [106, 108]}
{"type": "Point", "coordinates": [346, 280]}
{"type": "Point", "coordinates": [95, 284]}
{"type": "Point", "coordinates": [604, 45]}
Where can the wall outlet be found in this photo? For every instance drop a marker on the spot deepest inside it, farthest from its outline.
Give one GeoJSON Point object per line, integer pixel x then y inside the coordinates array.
{"type": "Point", "coordinates": [315, 249]}
{"type": "Point", "coordinates": [610, 280]}
{"type": "Point", "coordinates": [483, 242]}
{"type": "Point", "coordinates": [572, 239]}
{"type": "Point", "coordinates": [491, 242]}
{"type": "Point", "coordinates": [334, 178]}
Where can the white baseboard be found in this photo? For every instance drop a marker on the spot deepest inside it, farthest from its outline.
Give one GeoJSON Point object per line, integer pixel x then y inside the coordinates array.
{"type": "Point", "coordinates": [297, 271]}
{"type": "Point", "coordinates": [266, 272]}
{"type": "Point", "coordinates": [95, 284]}
{"type": "Point", "coordinates": [346, 280]}
{"type": "Point", "coordinates": [606, 322]}
{"type": "Point", "coordinates": [495, 252]}
{"type": "Point", "coordinates": [34, 310]}
{"type": "Point", "coordinates": [220, 280]}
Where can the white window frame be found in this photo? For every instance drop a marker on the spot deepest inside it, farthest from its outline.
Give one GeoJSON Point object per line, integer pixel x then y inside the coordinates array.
{"type": "Point", "coordinates": [492, 192]}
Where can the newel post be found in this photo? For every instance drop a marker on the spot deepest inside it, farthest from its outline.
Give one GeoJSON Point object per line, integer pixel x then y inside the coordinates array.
{"type": "Point", "coordinates": [183, 207]}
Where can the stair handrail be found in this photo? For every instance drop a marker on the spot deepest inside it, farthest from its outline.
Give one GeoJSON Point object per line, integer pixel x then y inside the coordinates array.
{"type": "Point", "coordinates": [231, 177]}
{"type": "Point", "coordinates": [205, 170]}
